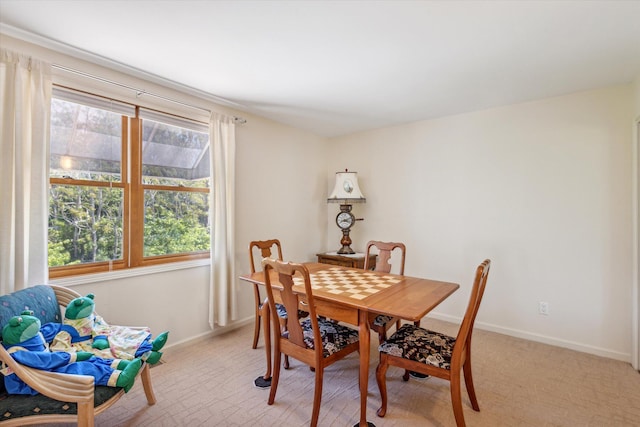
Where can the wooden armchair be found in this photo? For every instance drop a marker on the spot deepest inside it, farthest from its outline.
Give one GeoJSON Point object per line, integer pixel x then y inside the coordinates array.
{"type": "Point", "coordinates": [63, 397]}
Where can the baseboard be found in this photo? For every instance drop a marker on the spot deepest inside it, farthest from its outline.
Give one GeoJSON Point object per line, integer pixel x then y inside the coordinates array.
{"type": "Point", "coordinates": [544, 339]}
{"type": "Point", "coordinates": [209, 334]}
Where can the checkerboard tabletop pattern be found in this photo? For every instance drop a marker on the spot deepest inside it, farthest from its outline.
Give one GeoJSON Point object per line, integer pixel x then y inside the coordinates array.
{"type": "Point", "coordinates": [354, 284]}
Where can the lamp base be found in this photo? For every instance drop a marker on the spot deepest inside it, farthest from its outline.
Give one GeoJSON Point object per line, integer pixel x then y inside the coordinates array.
{"type": "Point", "coordinates": [346, 240]}
{"type": "Point", "coordinates": [346, 250]}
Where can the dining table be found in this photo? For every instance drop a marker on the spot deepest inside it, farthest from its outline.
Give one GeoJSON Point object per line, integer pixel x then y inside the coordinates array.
{"type": "Point", "coordinates": [352, 296]}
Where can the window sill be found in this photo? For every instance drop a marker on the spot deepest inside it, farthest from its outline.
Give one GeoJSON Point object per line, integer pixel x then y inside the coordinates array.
{"type": "Point", "coordinates": [83, 279]}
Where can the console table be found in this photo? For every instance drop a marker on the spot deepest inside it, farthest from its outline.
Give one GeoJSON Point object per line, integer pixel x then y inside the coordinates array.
{"type": "Point", "coordinates": [354, 261]}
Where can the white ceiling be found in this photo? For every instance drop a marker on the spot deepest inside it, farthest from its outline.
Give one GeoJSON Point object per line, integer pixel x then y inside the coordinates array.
{"type": "Point", "coordinates": [337, 67]}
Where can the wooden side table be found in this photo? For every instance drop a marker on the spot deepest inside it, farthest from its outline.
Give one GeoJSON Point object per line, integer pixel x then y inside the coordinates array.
{"type": "Point", "coordinates": [354, 261]}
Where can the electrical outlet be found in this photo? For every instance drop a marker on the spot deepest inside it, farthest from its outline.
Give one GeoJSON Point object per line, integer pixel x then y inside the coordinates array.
{"type": "Point", "coordinates": [543, 308]}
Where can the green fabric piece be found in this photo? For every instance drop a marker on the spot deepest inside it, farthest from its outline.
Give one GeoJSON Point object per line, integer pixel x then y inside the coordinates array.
{"type": "Point", "coordinates": [154, 357]}
{"type": "Point", "coordinates": [127, 376]}
{"type": "Point", "coordinates": [160, 341]}
{"type": "Point", "coordinates": [21, 328]}
{"type": "Point", "coordinates": [79, 308]}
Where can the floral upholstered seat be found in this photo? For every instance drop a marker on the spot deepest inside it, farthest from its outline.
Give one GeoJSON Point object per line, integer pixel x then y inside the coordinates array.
{"type": "Point", "coordinates": [382, 320]}
{"type": "Point", "coordinates": [420, 345]}
{"type": "Point", "coordinates": [335, 337]}
{"type": "Point", "coordinates": [282, 312]}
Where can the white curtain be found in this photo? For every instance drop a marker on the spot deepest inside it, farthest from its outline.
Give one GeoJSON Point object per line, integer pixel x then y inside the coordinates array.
{"type": "Point", "coordinates": [222, 307]}
{"type": "Point", "coordinates": [25, 88]}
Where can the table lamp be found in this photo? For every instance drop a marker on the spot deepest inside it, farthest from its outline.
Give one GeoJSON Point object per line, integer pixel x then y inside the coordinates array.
{"type": "Point", "coordinates": [346, 192]}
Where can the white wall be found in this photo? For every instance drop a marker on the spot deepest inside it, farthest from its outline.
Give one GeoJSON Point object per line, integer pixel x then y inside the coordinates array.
{"type": "Point", "coordinates": [636, 97]}
{"type": "Point", "coordinates": [280, 183]}
{"type": "Point", "coordinates": [541, 188]}
{"type": "Point", "coordinates": [635, 357]}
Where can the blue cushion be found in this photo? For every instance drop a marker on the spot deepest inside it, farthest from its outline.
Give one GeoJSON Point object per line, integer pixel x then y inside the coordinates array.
{"type": "Point", "coordinates": [41, 299]}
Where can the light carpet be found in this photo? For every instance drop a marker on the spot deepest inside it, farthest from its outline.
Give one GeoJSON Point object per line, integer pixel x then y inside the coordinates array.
{"type": "Point", "coordinates": [518, 383]}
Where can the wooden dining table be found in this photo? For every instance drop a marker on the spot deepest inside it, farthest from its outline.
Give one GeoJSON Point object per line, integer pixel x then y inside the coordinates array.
{"type": "Point", "coordinates": [352, 295]}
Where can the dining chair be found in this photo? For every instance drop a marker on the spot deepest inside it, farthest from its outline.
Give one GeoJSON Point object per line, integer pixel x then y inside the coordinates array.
{"type": "Point", "coordinates": [382, 323]}
{"type": "Point", "coordinates": [267, 249]}
{"type": "Point", "coordinates": [315, 341]}
{"type": "Point", "coordinates": [433, 353]}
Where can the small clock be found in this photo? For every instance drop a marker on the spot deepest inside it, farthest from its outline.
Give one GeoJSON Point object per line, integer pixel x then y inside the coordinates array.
{"type": "Point", "coordinates": [345, 220]}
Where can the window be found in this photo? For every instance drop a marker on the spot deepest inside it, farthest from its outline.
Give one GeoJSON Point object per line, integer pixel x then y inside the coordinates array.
{"type": "Point", "coordinates": [128, 186]}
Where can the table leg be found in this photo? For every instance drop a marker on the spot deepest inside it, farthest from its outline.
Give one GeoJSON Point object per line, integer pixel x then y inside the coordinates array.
{"type": "Point", "coordinates": [265, 380]}
{"type": "Point", "coordinates": [365, 340]}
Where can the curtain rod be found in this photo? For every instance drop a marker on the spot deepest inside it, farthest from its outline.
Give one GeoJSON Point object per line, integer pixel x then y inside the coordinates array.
{"type": "Point", "coordinates": [139, 92]}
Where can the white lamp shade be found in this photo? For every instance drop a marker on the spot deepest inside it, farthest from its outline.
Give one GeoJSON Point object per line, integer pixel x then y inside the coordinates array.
{"type": "Point", "coordinates": [347, 189]}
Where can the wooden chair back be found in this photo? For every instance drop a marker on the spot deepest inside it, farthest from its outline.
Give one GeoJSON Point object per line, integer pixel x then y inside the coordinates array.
{"type": "Point", "coordinates": [267, 248]}
{"type": "Point", "coordinates": [466, 328]}
{"type": "Point", "coordinates": [384, 255]}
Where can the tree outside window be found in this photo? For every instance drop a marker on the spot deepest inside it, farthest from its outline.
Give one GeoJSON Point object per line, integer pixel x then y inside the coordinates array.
{"type": "Point", "coordinates": [129, 187]}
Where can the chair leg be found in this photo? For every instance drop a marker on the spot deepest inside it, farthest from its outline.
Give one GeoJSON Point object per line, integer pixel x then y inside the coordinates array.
{"type": "Point", "coordinates": [146, 384]}
{"type": "Point", "coordinates": [283, 329]}
{"type": "Point", "coordinates": [317, 397]}
{"type": "Point", "coordinates": [275, 378]}
{"type": "Point", "coordinates": [382, 332]}
{"type": "Point", "coordinates": [267, 339]}
{"type": "Point", "coordinates": [85, 414]}
{"type": "Point", "coordinates": [381, 379]}
{"type": "Point", "coordinates": [286, 362]}
{"type": "Point", "coordinates": [256, 330]}
{"type": "Point", "coordinates": [468, 380]}
{"type": "Point", "coordinates": [456, 399]}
